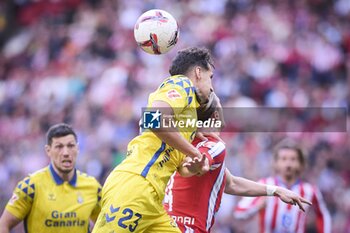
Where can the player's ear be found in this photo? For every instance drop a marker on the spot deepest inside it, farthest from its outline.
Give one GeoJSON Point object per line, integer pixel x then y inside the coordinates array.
{"type": "Point", "coordinates": [197, 71]}
{"type": "Point", "coordinates": [216, 115]}
{"type": "Point", "coordinates": [47, 150]}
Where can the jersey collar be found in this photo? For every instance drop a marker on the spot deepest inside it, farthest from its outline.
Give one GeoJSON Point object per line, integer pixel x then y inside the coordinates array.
{"type": "Point", "coordinates": [58, 180]}
{"type": "Point", "coordinates": [280, 181]}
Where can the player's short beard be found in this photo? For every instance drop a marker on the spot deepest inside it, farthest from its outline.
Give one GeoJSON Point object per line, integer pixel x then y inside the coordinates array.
{"type": "Point", "coordinates": [290, 175]}
{"type": "Point", "coordinates": [64, 171]}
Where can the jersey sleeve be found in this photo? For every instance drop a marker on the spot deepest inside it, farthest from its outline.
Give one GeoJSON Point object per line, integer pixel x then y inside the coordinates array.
{"type": "Point", "coordinates": [175, 95]}
{"type": "Point", "coordinates": [323, 219]}
{"type": "Point", "coordinates": [212, 150]}
{"type": "Point", "coordinates": [22, 198]}
{"type": "Point", "coordinates": [96, 211]}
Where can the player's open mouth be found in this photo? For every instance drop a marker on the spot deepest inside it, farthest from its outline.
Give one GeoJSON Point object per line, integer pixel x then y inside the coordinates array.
{"type": "Point", "coordinates": [67, 163]}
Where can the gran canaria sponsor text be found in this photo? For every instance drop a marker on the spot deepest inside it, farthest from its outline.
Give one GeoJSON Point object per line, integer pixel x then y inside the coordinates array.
{"type": "Point", "coordinates": [64, 219]}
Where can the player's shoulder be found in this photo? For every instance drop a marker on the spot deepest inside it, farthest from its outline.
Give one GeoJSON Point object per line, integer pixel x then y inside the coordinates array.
{"type": "Point", "coordinates": [176, 89]}
{"type": "Point", "coordinates": [85, 178]}
{"type": "Point", "coordinates": [37, 176]}
{"type": "Point", "coordinates": [179, 82]}
{"type": "Point", "coordinates": [212, 146]}
{"type": "Point", "coordinates": [29, 184]}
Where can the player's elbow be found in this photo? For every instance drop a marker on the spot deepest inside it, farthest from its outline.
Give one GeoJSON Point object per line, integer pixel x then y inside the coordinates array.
{"type": "Point", "coordinates": [231, 186]}
{"type": "Point", "coordinates": [8, 221]}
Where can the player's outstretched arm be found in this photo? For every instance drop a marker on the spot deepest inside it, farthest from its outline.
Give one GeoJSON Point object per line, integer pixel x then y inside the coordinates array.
{"type": "Point", "coordinates": [244, 187]}
{"type": "Point", "coordinates": [171, 136]}
{"type": "Point", "coordinates": [7, 222]}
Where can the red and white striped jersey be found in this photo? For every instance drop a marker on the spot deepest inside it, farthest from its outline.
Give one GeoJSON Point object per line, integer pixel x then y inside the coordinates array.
{"type": "Point", "coordinates": [276, 216]}
{"type": "Point", "coordinates": [193, 201]}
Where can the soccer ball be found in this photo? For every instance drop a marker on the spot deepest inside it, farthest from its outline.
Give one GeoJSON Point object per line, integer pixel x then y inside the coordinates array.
{"type": "Point", "coordinates": [156, 31]}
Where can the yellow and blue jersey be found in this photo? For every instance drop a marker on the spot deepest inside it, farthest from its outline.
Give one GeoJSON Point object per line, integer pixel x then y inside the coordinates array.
{"type": "Point", "coordinates": [47, 204]}
{"type": "Point", "coordinates": [147, 155]}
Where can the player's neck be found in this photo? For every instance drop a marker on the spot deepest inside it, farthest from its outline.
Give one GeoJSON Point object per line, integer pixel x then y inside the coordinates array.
{"type": "Point", "coordinates": [67, 176]}
{"type": "Point", "coordinates": [64, 176]}
{"type": "Point", "coordinates": [288, 181]}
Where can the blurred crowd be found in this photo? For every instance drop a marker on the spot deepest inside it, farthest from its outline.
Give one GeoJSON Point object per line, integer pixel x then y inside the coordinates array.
{"type": "Point", "coordinates": [76, 61]}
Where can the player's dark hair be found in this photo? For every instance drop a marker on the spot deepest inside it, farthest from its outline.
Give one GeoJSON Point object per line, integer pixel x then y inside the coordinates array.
{"type": "Point", "coordinates": [291, 144]}
{"type": "Point", "coordinates": [59, 130]}
{"type": "Point", "coordinates": [187, 58]}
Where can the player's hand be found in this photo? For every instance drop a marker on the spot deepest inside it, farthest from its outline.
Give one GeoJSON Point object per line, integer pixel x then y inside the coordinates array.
{"type": "Point", "coordinates": [201, 136]}
{"type": "Point", "coordinates": [197, 156]}
{"type": "Point", "coordinates": [291, 198]}
{"type": "Point", "coordinates": [197, 166]}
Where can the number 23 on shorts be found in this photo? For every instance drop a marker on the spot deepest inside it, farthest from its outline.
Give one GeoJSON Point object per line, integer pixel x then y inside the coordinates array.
{"type": "Point", "coordinates": [122, 221]}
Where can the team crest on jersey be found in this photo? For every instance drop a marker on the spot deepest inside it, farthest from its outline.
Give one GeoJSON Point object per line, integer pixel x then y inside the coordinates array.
{"type": "Point", "coordinates": [52, 197]}
{"type": "Point", "coordinates": [286, 220]}
{"type": "Point", "coordinates": [13, 199]}
{"type": "Point", "coordinates": [173, 94]}
{"type": "Point", "coordinates": [80, 198]}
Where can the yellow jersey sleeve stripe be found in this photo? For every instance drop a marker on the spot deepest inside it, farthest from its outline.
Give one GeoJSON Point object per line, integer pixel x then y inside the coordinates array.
{"type": "Point", "coordinates": [153, 160]}
{"type": "Point", "coordinates": [27, 187]}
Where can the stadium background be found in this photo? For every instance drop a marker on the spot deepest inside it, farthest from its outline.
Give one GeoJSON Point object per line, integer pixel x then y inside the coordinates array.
{"type": "Point", "coordinates": [76, 61]}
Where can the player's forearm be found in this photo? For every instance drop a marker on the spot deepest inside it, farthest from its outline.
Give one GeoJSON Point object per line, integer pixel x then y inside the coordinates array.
{"type": "Point", "coordinates": [171, 136]}
{"type": "Point", "coordinates": [244, 187]}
